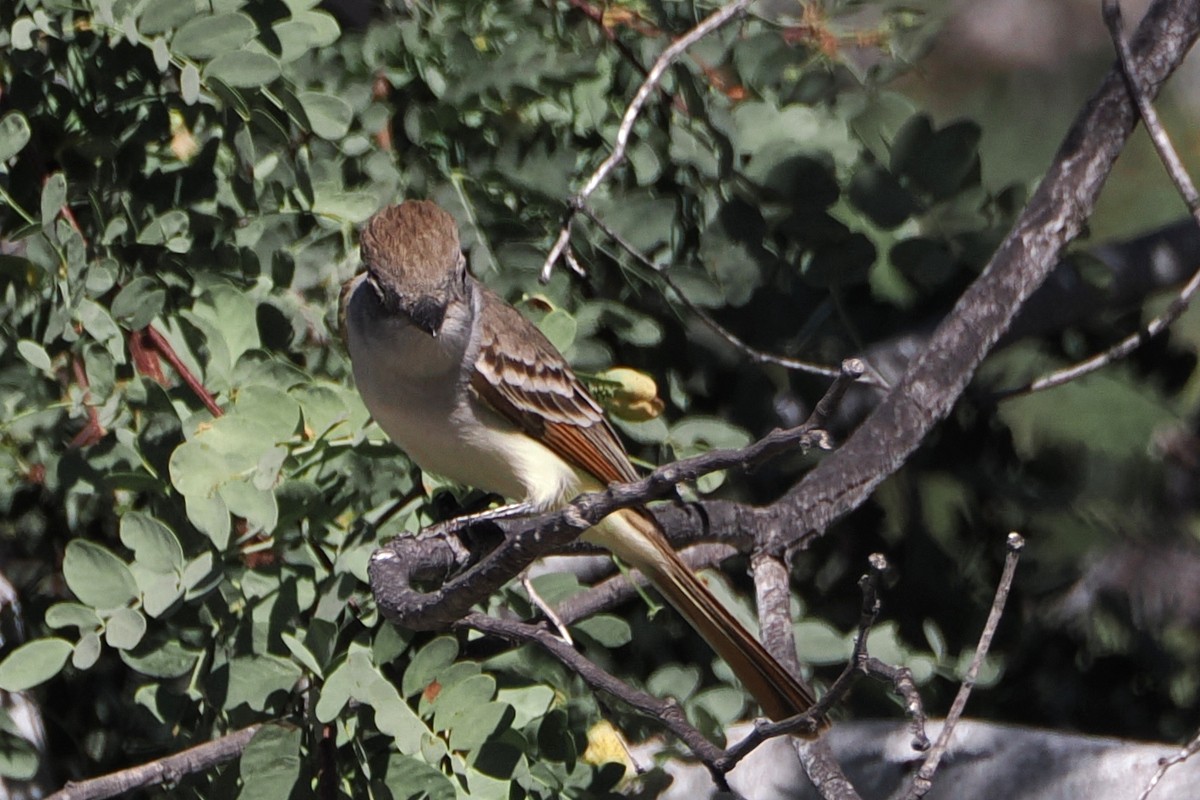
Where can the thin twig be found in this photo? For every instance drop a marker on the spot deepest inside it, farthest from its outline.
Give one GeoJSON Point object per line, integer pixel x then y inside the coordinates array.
{"type": "Point", "coordinates": [163, 770]}
{"type": "Point", "coordinates": [837, 690]}
{"type": "Point", "coordinates": [668, 712]}
{"type": "Point", "coordinates": [1186, 752]}
{"type": "Point", "coordinates": [709, 24]}
{"type": "Point", "coordinates": [923, 780]}
{"type": "Point", "coordinates": [563, 632]}
{"type": "Point", "coordinates": [755, 355]}
{"type": "Point", "coordinates": [1179, 176]}
{"type": "Point", "coordinates": [1162, 143]}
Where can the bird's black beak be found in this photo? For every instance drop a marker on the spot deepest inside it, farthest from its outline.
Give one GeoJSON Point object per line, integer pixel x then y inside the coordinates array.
{"type": "Point", "coordinates": [427, 313]}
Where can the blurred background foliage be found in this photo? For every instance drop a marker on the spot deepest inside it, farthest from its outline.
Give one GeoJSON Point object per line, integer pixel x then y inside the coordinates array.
{"type": "Point", "coordinates": [181, 182]}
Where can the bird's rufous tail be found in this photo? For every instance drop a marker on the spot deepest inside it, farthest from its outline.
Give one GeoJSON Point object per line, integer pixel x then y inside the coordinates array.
{"type": "Point", "coordinates": [638, 540]}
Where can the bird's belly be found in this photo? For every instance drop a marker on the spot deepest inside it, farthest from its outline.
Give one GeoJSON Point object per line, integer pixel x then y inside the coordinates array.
{"type": "Point", "coordinates": [449, 434]}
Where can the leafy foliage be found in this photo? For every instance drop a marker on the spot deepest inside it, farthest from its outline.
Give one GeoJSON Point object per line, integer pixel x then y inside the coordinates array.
{"type": "Point", "coordinates": [181, 185]}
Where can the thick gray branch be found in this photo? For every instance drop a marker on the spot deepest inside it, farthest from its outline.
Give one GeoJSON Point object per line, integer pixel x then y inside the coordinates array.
{"type": "Point", "coordinates": [1054, 216]}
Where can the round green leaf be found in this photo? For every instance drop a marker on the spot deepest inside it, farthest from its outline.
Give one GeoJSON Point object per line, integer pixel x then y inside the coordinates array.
{"type": "Point", "coordinates": [343, 206]}
{"type": "Point", "coordinates": [210, 36]}
{"type": "Point", "coordinates": [34, 354]}
{"type": "Point", "coordinates": [164, 227]}
{"type": "Point", "coordinates": [72, 615]}
{"type": "Point", "coordinates": [14, 134]}
{"type": "Point", "coordinates": [87, 651]}
{"type": "Point", "coordinates": [411, 777]}
{"type": "Point", "coordinates": [139, 301]}
{"type": "Point", "coordinates": [163, 659]}
{"type": "Point", "coordinates": [153, 544]}
{"type": "Point", "coordinates": [555, 740]}
{"type": "Point", "coordinates": [125, 629]}
{"type": "Point", "coordinates": [270, 765]}
{"type": "Point", "coordinates": [243, 69]}
{"type": "Point", "coordinates": [97, 576]}
{"type": "Point", "coordinates": [328, 115]}
{"type": "Point", "coordinates": [161, 16]}
{"type": "Point", "coordinates": [426, 664]}
{"type": "Point", "coordinates": [606, 629]}
{"type": "Point", "coordinates": [461, 700]}
{"type": "Point", "coordinates": [877, 193]}
{"type": "Point", "coordinates": [253, 679]}
{"type": "Point", "coordinates": [305, 31]}
{"type": "Point", "coordinates": [33, 663]}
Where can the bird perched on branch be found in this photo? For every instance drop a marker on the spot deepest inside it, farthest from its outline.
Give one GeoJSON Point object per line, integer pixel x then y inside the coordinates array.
{"type": "Point", "coordinates": [473, 391]}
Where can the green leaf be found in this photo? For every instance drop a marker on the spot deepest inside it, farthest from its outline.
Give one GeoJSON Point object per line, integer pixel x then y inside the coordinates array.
{"type": "Point", "coordinates": [343, 206]}
{"type": "Point", "coordinates": [821, 643]}
{"type": "Point", "coordinates": [161, 659]}
{"type": "Point", "coordinates": [876, 192]}
{"type": "Point", "coordinates": [97, 576]}
{"type": "Point", "coordinates": [674, 680]}
{"type": "Point", "coordinates": [14, 135]}
{"type": "Point", "coordinates": [54, 198]}
{"type": "Point", "coordinates": [461, 699]}
{"type": "Point", "coordinates": [304, 32]}
{"type": "Point", "coordinates": [162, 16]}
{"type": "Point", "coordinates": [34, 354]}
{"type": "Point", "coordinates": [189, 84]}
{"type": "Point", "coordinates": [357, 678]}
{"type": "Point", "coordinates": [928, 263]}
{"type": "Point", "coordinates": [100, 326]}
{"type": "Point", "coordinates": [559, 327]}
{"type": "Point", "coordinates": [165, 227]}
{"type": "Point", "coordinates": [606, 629]}
{"type": "Point", "coordinates": [256, 506]}
{"type": "Point", "coordinates": [243, 69]}
{"type": "Point", "coordinates": [393, 716]}
{"type": "Point", "coordinates": [154, 545]}
{"type": "Point", "coordinates": [427, 663]}
{"type": "Point", "coordinates": [842, 264]}
{"type": "Point", "coordinates": [329, 116]}
{"type": "Point", "coordinates": [209, 515]}
{"type": "Point", "coordinates": [253, 679]}
{"type": "Point", "coordinates": [139, 301]}
{"type": "Point", "coordinates": [270, 765]}
{"type": "Point", "coordinates": [33, 663]}
{"type": "Point", "coordinates": [210, 36]}
{"type": "Point", "coordinates": [302, 654]}
{"type": "Point", "coordinates": [22, 32]}
{"type": "Point", "coordinates": [555, 740]}
{"type": "Point", "coordinates": [125, 629]}
{"type": "Point", "coordinates": [528, 702]}
{"type": "Point", "coordinates": [407, 777]}
{"type": "Point", "coordinates": [87, 651]}
{"type": "Point", "coordinates": [72, 615]}
{"type": "Point", "coordinates": [160, 591]}
{"type": "Point", "coordinates": [477, 726]}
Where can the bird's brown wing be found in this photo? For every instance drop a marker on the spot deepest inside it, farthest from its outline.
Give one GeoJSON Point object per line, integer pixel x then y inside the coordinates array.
{"type": "Point", "coordinates": [529, 383]}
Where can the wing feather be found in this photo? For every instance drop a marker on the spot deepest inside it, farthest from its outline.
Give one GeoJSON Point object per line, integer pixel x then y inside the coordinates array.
{"type": "Point", "coordinates": [530, 384]}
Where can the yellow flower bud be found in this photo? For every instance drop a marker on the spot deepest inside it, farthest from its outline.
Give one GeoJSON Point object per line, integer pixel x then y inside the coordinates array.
{"type": "Point", "coordinates": [628, 394]}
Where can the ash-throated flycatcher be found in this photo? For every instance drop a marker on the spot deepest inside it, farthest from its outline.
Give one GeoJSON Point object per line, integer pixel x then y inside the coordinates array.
{"type": "Point", "coordinates": [471, 390]}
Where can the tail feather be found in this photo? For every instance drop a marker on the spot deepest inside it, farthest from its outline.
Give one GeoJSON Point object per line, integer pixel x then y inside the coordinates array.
{"type": "Point", "coordinates": [638, 540]}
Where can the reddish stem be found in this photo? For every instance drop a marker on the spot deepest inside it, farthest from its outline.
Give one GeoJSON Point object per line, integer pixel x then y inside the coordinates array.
{"type": "Point", "coordinates": [164, 348]}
